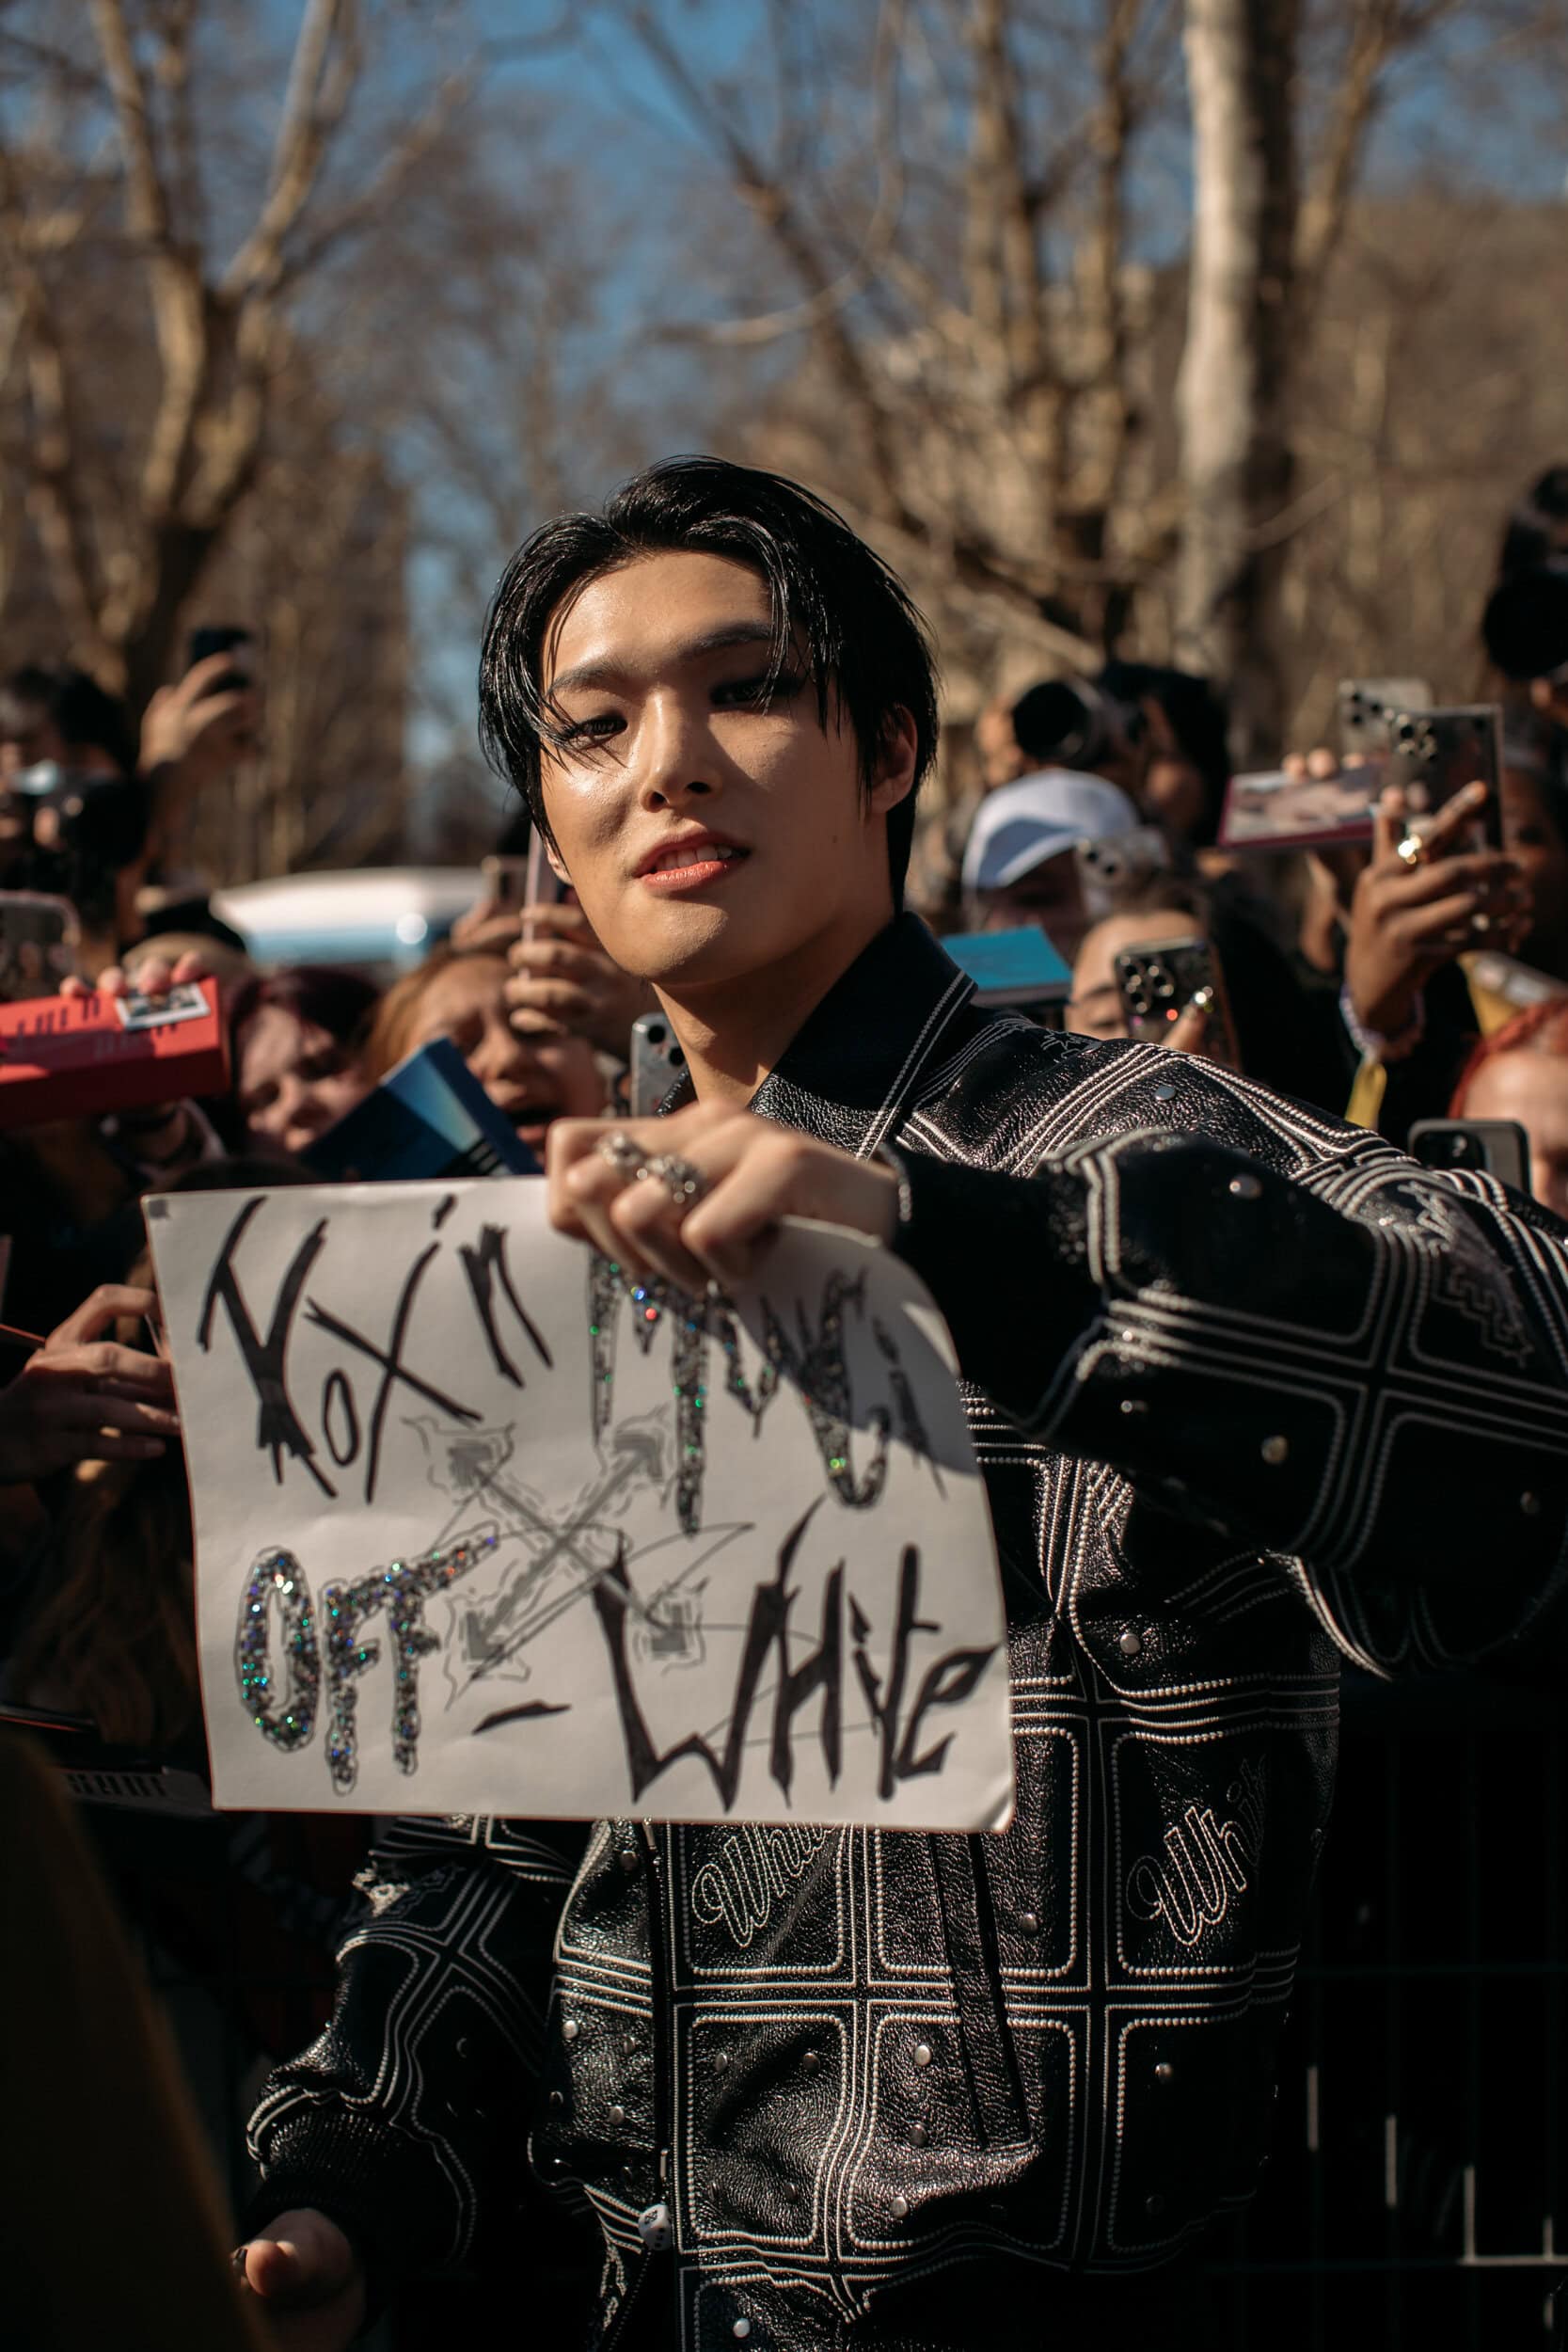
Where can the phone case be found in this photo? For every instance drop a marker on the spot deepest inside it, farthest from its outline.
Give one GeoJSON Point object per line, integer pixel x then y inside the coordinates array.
{"type": "Point", "coordinates": [1433, 753]}
{"type": "Point", "coordinates": [79, 1056]}
{"type": "Point", "coordinates": [657, 1062]}
{"type": "Point", "coordinates": [1158, 982]}
{"type": "Point", "coordinates": [1501, 1146]}
{"type": "Point", "coordinates": [1365, 705]}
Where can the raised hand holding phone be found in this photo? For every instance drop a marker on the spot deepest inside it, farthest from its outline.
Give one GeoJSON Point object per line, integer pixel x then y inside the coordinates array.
{"type": "Point", "coordinates": [564, 984]}
{"type": "Point", "coordinates": [1421, 901]}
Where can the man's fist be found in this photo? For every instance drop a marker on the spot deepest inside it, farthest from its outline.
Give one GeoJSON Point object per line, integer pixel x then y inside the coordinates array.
{"type": "Point", "coordinates": [306, 2279]}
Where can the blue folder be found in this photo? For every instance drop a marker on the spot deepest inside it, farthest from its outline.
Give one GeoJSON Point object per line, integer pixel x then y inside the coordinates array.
{"type": "Point", "coordinates": [429, 1117]}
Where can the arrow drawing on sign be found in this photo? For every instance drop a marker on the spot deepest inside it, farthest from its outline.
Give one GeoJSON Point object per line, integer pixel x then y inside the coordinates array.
{"type": "Point", "coordinates": [468, 1464]}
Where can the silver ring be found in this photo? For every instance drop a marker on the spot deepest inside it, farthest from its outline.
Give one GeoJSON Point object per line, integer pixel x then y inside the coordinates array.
{"type": "Point", "coordinates": [1413, 850]}
{"type": "Point", "coordinates": [681, 1181]}
{"type": "Point", "coordinates": [1480, 923]}
{"type": "Point", "coordinates": [626, 1158]}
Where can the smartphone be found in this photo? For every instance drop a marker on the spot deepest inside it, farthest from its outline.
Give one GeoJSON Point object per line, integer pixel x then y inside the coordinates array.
{"type": "Point", "coordinates": [1436, 754]}
{"type": "Point", "coordinates": [1105, 867]}
{"type": "Point", "coordinates": [1366, 705]}
{"type": "Point", "coordinates": [1271, 810]}
{"type": "Point", "coordinates": [1157, 983]}
{"type": "Point", "coordinates": [505, 881]}
{"type": "Point", "coordinates": [205, 642]}
{"type": "Point", "coordinates": [657, 1062]}
{"type": "Point", "coordinates": [38, 939]}
{"type": "Point", "coordinates": [1501, 1146]}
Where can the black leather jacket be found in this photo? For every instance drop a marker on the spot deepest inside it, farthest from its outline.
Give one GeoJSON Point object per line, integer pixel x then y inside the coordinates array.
{"type": "Point", "coordinates": [1248, 1390]}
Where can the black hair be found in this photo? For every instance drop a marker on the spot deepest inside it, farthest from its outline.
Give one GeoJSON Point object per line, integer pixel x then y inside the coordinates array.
{"type": "Point", "coordinates": [1538, 527]}
{"type": "Point", "coordinates": [81, 710]}
{"type": "Point", "coordinates": [1535, 748]}
{"type": "Point", "coordinates": [319, 996]}
{"type": "Point", "coordinates": [1198, 720]}
{"type": "Point", "coordinates": [866, 644]}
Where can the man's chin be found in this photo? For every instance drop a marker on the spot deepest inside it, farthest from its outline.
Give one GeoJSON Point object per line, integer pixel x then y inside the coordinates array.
{"type": "Point", "coordinates": [703, 953]}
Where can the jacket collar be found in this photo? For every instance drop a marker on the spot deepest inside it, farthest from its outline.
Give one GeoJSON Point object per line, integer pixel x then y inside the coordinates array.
{"type": "Point", "coordinates": [851, 1068]}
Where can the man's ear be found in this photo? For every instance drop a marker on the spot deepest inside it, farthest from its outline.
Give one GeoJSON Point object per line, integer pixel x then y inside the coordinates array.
{"type": "Point", "coordinates": [557, 862]}
{"type": "Point", "coordinates": [897, 758]}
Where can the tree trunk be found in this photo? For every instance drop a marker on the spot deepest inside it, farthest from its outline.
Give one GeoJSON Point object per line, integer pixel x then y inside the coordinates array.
{"type": "Point", "coordinates": [1232, 392]}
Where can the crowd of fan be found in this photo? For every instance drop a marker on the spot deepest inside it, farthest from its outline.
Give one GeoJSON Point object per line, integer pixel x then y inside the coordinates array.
{"type": "Point", "coordinates": [1353, 980]}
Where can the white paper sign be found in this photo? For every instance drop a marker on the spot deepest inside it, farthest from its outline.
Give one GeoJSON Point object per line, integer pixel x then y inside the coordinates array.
{"type": "Point", "coordinates": [482, 1529]}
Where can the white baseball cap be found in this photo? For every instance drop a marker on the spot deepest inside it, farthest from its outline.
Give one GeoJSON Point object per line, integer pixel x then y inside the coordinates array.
{"type": "Point", "coordinates": [1020, 825]}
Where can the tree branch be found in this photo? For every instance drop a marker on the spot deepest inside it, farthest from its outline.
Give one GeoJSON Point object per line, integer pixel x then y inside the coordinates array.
{"type": "Point", "coordinates": [54, 489]}
{"type": "Point", "coordinates": [1380, 31]}
{"type": "Point", "coordinates": [147, 205]}
{"type": "Point", "coordinates": [322, 76]}
{"type": "Point", "coordinates": [775, 208]}
{"type": "Point", "coordinates": [387, 184]}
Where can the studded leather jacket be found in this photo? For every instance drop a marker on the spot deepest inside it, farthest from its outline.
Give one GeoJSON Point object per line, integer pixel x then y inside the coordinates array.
{"type": "Point", "coordinates": [1249, 1392]}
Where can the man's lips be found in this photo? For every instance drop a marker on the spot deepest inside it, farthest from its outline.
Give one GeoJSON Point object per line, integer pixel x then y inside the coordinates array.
{"type": "Point", "coordinates": [688, 859]}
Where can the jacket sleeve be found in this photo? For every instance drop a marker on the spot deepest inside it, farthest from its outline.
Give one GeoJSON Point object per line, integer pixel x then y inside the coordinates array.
{"type": "Point", "coordinates": [1354, 1363]}
{"type": "Point", "coordinates": [407, 2120]}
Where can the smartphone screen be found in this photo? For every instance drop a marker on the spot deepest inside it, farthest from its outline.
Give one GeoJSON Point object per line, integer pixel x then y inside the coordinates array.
{"type": "Point", "coordinates": [237, 643]}
{"type": "Point", "coordinates": [38, 944]}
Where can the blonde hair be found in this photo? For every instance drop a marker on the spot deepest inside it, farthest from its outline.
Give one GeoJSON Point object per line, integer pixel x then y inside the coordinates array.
{"type": "Point", "coordinates": [392, 1027]}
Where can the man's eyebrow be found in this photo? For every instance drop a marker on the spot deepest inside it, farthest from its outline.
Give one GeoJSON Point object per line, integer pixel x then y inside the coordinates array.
{"type": "Point", "coordinates": [604, 675]}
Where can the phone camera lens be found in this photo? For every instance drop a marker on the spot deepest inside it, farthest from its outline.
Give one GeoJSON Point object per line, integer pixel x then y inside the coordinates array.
{"type": "Point", "coordinates": [657, 1033]}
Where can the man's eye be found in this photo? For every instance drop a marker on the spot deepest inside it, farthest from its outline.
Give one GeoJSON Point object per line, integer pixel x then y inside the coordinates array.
{"type": "Point", "coordinates": [754, 693]}
{"type": "Point", "coordinates": [596, 730]}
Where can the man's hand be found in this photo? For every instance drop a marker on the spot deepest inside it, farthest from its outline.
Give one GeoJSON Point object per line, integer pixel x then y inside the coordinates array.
{"type": "Point", "coordinates": [750, 1172]}
{"type": "Point", "coordinates": [201, 734]}
{"type": "Point", "coordinates": [562, 985]}
{"type": "Point", "coordinates": [306, 2279]}
{"type": "Point", "coordinates": [83, 1398]}
{"type": "Point", "coordinates": [1407, 921]}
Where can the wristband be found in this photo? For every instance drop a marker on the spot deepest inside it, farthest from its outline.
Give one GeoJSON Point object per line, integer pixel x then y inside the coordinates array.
{"type": "Point", "coordinates": [1371, 1045]}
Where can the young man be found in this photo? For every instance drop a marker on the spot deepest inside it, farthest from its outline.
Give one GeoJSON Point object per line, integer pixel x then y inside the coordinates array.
{"type": "Point", "coordinates": [1247, 1388]}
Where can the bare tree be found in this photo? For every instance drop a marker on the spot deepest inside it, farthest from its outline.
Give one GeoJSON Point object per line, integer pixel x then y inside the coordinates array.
{"type": "Point", "coordinates": [221, 329]}
{"type": "Point", "coordinates": [1231, 391]}
{"type": "Point", "coordinates": [958, 256]}
{"type": "Point", "coordinates": [1262, 252]}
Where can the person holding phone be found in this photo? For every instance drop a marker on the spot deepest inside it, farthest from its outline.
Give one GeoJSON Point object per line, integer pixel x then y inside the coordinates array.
{"type": "Point", "coordinates": [196, 731]}
{"type": "Point", "coordinates": [1231, 1369]}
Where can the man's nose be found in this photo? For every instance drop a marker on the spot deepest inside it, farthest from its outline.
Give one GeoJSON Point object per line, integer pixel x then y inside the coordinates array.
{"type": "Point", "coordinates": [677, 757]}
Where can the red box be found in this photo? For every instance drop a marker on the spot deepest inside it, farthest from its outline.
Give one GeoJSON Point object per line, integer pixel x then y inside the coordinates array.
{"type": "Point", "coordinates": [76, 1056]}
